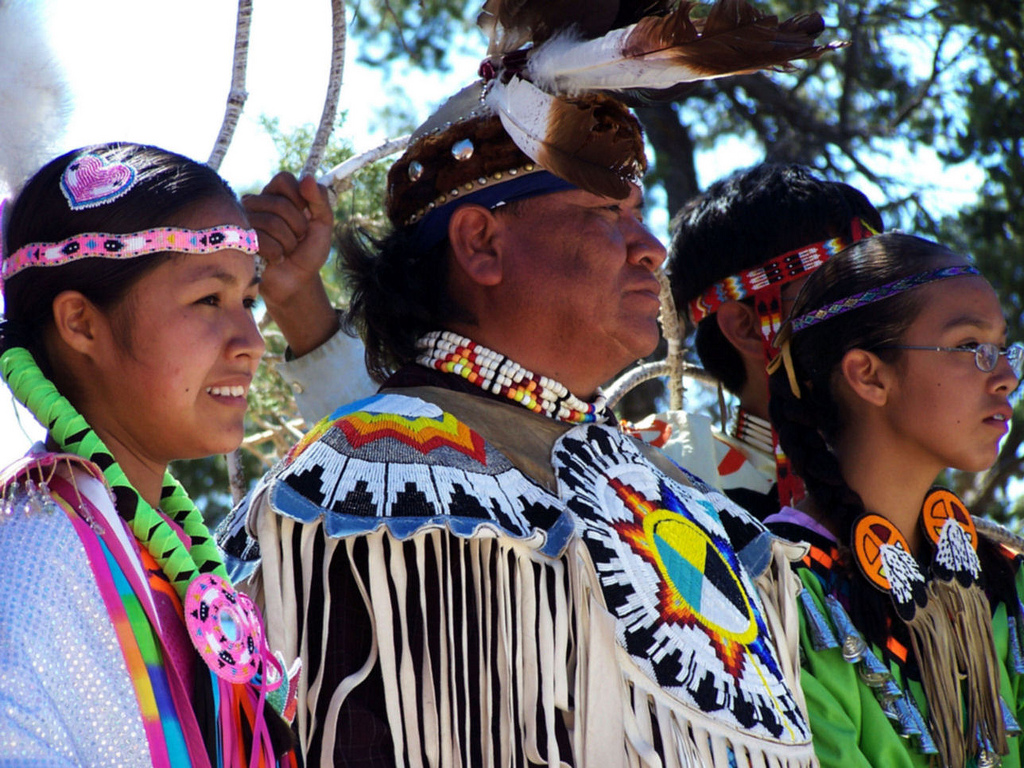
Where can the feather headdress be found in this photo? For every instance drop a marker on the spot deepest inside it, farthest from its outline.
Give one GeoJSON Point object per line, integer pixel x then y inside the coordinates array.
{"type": "Point", "coordinates": [33, 94]}
{"type": "Point", "coordinates": [560, 73]}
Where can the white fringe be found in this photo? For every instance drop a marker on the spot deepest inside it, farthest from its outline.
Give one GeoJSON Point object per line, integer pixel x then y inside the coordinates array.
{"type": "Point", "coordinates": [543, 633]}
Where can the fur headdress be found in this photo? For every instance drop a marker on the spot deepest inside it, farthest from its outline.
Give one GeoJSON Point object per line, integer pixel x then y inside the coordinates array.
{"type": "Point", "coordinates": [555, 89]}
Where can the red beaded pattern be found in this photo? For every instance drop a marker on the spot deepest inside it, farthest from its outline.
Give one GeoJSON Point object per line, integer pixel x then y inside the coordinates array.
{"type": "Point", "coordinates": [777, 271]}
{"type": "Point", "coordinates": [493, 372]}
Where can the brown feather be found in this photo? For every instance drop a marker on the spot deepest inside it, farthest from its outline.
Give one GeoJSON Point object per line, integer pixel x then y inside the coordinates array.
{"type": "Point", "coordinates": [646, 97]}
{"type": "Point", "coordinates": [734, 38]}
{"type": "Point", "coordinates": [595, 143]}
{"type": "Point", "coordinates": [511, 24]}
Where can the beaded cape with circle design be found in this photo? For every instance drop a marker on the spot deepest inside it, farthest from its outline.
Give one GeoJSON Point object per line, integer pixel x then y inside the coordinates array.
{"type": "Point", "coordinates": [688, 612]}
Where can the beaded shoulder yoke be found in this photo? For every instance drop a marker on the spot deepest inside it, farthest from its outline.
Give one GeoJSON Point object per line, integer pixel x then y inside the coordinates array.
{"type": "Point", "coordinates": [27, 479]}
{"type": "Point", "coordinates": [403, 464]}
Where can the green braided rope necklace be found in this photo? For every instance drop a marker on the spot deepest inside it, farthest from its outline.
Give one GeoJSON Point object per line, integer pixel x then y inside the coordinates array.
{"type": "Point", "coordinates": [73, 434]}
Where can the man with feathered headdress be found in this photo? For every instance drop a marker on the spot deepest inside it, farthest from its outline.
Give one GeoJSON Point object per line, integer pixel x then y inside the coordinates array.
{"type": "Point", "coordinates": [476, 565]}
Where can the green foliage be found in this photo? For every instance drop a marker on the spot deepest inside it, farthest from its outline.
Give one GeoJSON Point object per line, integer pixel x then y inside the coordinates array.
{"type": "Point", "coordinates": [363, 200]}
{"type": "Point", "coordinates": [273, 423]}
{"type": "Point", "coordinates": [272, 408]}
{"type": "Point", "coordinates": [420, 32]}
{"type": "Point", "coordinates": [206, 481]}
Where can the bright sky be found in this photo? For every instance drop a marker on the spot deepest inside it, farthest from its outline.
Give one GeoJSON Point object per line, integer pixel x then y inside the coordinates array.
{"type": "Point", "coordinates": [159, 73]}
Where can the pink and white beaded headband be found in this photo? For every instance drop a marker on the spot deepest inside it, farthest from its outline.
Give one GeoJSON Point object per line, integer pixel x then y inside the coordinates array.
{"type": "Point", "coordinates": [90, 181]}
{"type": "Point", "coordinates": [131, 245]}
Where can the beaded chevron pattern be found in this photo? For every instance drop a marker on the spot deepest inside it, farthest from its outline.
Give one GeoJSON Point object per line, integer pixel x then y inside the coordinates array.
{"type": "Point", "coordinates": [777, 271]}
{"type": "Point", "coordinates": [400, 463]}
{"type": "Point", "coordinates": [780, 270]}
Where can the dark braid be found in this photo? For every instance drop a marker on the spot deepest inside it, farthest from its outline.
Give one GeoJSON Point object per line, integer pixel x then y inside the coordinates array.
{"type": "Point", "coordinates": [816, 464]}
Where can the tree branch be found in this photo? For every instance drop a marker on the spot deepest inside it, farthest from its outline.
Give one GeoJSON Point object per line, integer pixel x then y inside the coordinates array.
{"type": "Point", "coordinates": [922, 93]}
{"type": "Point", "coordinates": [330, 111]}
{"type": "Point", "coordinates": [674, 151]}
{"type": "Point", "coordinates": [236, 93]}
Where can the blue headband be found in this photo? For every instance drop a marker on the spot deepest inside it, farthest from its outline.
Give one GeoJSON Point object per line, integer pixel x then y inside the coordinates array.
{"type": "Point", "coordinates": [433, 228]}
{"type": "Point", "coordinates": [872, 295]}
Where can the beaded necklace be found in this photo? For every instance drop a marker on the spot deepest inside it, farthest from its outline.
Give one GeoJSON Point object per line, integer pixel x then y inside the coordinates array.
{"type": "Point", "coordinates": [493, 372]}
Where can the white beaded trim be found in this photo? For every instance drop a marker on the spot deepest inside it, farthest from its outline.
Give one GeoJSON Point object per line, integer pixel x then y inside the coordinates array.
{"type": "Point", "coordinates": [497, 372]}
{"type": "Point", "coordinates": [471, 186]}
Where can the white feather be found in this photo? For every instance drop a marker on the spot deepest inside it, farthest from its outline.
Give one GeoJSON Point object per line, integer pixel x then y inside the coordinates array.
{"type": "Point", "coordinates": [567, 65]}
{"type": "Point", "coordinates": [33, 95]}
{"type": "Point", "coordinates": [523, 109]}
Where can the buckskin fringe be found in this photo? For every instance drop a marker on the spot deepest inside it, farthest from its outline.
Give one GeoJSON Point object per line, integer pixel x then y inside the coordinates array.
{"type": "Point", "coordinates": [519, 662]}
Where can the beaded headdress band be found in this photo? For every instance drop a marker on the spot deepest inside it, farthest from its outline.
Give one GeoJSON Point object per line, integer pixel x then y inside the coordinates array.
{"type": "Point", "coordinates": [531, 182]}
{"type": "Point", "coordinates": [850, 303]}
{"type": "Point", "coordinates": [872, 295]}
{"type": "Point", "coordinates": [90, 181]}
{"type": "Point", "coordinates": [131, 245]}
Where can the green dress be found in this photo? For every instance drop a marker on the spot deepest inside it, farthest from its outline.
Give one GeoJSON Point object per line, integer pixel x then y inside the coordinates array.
{"type": "Point", "coordinates": [848, 723]}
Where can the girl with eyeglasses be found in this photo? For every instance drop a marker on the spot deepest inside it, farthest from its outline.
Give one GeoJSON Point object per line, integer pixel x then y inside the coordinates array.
{"type": "Point", "coordinates": [893, 367]}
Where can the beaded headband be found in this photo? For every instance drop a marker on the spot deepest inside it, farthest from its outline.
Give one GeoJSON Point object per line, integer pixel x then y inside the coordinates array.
{"type": "Point", "coordinates": [131, 245]}
{"type": "Point", "coordinates": [872, 295]}
{"type": "Point", "coordinates": [858, 300]}
{"type": "Point", "coordinates": [776, 271]}
{"type": "Point", "coordinates": [764, 282]}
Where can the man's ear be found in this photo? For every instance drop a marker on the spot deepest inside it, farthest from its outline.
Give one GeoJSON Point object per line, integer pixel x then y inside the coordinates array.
{"type": "Point", "coordinates": [77, 321]}
{"type": "Point", "coordinates": [740, 324]}
{"type": "Point", "coordinates": [867, 375]}
{"type": "Point", "coordinates": [471, 233]}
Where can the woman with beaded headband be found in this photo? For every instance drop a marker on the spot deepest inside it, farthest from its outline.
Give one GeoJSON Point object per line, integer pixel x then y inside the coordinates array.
{"type": "Point", "coordinates": [129, 279]}
{"type": "Point", "coordinates": [893, 367]}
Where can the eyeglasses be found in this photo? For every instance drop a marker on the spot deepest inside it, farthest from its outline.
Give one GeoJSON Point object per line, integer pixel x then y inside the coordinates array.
{"type": "Point", "coordinates": [986, 356]}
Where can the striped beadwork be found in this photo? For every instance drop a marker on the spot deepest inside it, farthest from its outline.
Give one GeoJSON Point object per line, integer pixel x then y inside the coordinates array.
{"type": "Point", "coordinates": [493, 372]}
